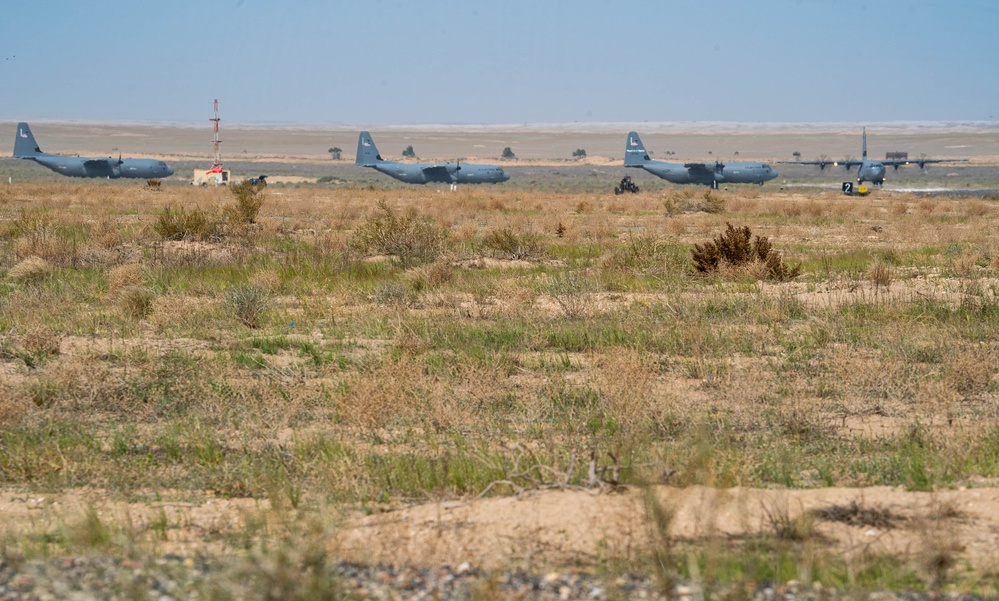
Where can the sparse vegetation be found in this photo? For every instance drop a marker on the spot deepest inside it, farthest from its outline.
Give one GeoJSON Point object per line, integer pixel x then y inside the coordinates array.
{"type": "Point", "coordinates": [179, 224]}
{"type": "Point", "coordinates": [30, 270]}
{"type": "Point", "coordinates": [249, 198]}
{"type": "Point", "coordinates": [248, 302]}
{"type": "Point", "coordinates": [409, 239]}
{"type": "Point", "coordinates": [365, 350]}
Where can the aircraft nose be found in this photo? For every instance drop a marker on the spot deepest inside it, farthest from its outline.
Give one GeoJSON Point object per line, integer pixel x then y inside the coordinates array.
{"type": "Point", "coordinates": [169, 172]}
{"type": "Point", "coordinates": [506, 176]}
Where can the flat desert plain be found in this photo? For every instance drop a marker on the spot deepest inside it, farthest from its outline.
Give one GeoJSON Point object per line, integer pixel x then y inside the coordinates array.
{"type": "Point", "coordinates": [505, 376]}
{"type": "Point", "coordinates": [976, 141]}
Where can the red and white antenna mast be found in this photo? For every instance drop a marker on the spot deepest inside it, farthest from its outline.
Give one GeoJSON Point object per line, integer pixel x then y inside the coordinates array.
{"type": "Point", "coordinates": [217, 165]}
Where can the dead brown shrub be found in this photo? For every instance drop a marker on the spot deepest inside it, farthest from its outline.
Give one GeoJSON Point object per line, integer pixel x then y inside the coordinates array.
{"type": "Point", "coordinates": [438, 273]}
{"type": "Point", "coordinates": [106, 233]}
{"type": "Point", "coordinates": [136, 301]}
{"type": "Point", "coordinates": [129, 274]}
{"type": "Point", "coordinates": [966, 264]}
{"type": "Point", "coordinates": [268, 281]}
{"type": "Point", "coordinates": [396, 394]}
{"type": "Point", "coordinates": [31, 270]}
{"type": "Point", "coordinates": [628, 383]}
{"type": "Point", "coordinates": [927, 207]}
{"type": "Point", "coordinates": [970, 371]}
{"type": "Point", "coordinates": [41, 341]}
{"type": "Point", "coordinates": [735, 247]}
{"type": "Point", "coordinates": [674, 204]}
{"type": "Point", "coordinates": [880, 274]}
{"type": "Point", "coordinates": [976, 208]}
{"type": "Point", "coordinates": [13, 408]}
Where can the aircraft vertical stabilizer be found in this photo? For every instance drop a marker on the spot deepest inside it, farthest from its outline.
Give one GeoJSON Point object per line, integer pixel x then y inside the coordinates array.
{"type": "Point", "coordinates": [634, 151]}
{"type": "Point", "coordinates": [864, 155]}
{"type": "Point", "coordinates": [24, 143]}
{"type": "Point", "coordinates": [367, 153]}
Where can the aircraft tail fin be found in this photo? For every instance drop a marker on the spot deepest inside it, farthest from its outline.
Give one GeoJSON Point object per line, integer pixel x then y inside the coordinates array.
{"type": "Point", "coordinates": [865, 143]}
{"type": "Point", "coordinates": [24, 143]}
{"type": "Point", "coordinates": [367, 152]}
{"type": "Point", "coordinates": [635, 154]}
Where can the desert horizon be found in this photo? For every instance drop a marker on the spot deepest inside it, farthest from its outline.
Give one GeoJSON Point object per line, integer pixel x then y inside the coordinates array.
{"type": "Point", "coordinates": [531, 143]}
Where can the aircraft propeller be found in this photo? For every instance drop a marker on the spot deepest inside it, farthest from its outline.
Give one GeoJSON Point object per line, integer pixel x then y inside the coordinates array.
{"type": "Point", "coordinates": [457, 170]}
{"type": "Point", "coordinates": [719, 167]}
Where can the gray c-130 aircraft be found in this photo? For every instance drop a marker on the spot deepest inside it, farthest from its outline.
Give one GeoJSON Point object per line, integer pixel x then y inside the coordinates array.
{"type": "Point", "coordinates": [871, 170]}
{"type": "Point", "coordinates": [25, 147]}
{"type": "Point", "coordinates": [709, 174]}
{"type": "Point", "coordinates": [426, 173]}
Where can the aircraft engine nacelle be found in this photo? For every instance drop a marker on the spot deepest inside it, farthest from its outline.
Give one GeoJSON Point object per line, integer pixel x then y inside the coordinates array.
{"type": "Point", "coordinates": [114, 166]}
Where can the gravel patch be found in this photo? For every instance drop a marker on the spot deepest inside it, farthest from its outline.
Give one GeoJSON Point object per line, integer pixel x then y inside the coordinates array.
{"type": "Point", "coordinates": [174, 577]}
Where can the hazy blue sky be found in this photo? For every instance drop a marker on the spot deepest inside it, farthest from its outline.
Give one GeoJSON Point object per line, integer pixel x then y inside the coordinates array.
{"type": "Point", "coordinates": [378, 62]}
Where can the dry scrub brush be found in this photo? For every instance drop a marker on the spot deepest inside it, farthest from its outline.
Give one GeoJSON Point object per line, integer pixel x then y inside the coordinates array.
{"type": "Point", "coordinates": [410, 239]}
{"type": "Point", "coordinates": [735, 247]}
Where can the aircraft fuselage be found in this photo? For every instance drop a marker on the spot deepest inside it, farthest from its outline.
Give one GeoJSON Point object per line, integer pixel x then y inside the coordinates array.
{"type": "Point", "coordinates": [25, 147]}
{"type": "Point", "coordinates": [708, 174]}
{"type": "Point", "coordinates": [446, 173]}
{"type": "Point", "coordinates": [426, 173]}
{"type": "Point", "coordinates": [871, 171]}
{"type": "Point", "coordinates": [734, 173]}
{"type": "Point", "coordinates": [99, 167]}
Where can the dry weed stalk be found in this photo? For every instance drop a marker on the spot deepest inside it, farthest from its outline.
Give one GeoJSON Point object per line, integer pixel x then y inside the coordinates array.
{"type": "Point", "coordinates": [880, 274]}
{"type": "Point", "coordinates": [539, 476]}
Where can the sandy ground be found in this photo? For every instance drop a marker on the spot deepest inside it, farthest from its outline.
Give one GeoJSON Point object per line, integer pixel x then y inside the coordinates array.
{"type": "Point", "coordinates": [563, 528]}
{"type": "Point", "coordinates": [532, 144]}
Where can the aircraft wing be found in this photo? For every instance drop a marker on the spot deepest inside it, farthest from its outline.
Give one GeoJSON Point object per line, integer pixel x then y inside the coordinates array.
{"type": "Point", "coordinates": [437, 173]}
{"type": "Point", "coordinates": [823, 163]}
{"type": "Point", "coordinates": [920, 162]}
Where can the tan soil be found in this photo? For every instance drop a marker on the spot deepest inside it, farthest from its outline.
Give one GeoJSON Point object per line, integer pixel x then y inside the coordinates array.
{"type": "Point", "coordinates": [562, 528]}
{"type": "Point", "coordinates": [548, 145]}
